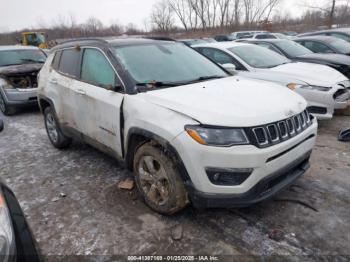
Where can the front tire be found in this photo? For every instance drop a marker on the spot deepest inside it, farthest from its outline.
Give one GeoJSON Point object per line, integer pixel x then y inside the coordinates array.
{"type": "Point", "coordinates": [6, 109]}
{"type": "Point", "coordinates": [57, 138]}
{"type": "Point", "coordinates": [158, 180]}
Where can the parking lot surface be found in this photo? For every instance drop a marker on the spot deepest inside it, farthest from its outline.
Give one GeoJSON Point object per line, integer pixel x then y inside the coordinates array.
{"type": "Point", "coordinates": [74, 206]}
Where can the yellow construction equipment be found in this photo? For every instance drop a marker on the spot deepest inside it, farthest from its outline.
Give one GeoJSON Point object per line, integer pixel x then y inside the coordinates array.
{"type": "Point", "coordinates": [35, 39]}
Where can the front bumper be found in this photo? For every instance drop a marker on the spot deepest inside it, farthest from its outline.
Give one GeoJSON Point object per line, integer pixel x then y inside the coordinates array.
{"type": "Point", "coordinates": [266, 188]}
{"type": "Point", "coordinates": [20, 97]}
{"type": "Point", "coordinates": [264, 163]}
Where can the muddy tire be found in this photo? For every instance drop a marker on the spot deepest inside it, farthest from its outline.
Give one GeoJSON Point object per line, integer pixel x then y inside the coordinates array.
{"type": "Point", "coordinates": [158, 180]}
{"type": "Point", "coordinates": [57, 138]}
{"type": "Point", "coordinates": [6, 109]}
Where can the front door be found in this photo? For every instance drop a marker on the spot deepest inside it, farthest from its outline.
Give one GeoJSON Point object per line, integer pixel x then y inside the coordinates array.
{"type": "Point", "coordinates": [98, 101]}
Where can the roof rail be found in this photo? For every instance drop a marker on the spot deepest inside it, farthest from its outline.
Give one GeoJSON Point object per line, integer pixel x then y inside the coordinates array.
{"type": "Point", "coordinates": [83, 39]}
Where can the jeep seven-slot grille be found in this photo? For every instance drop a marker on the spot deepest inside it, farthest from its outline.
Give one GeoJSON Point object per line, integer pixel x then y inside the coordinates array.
{"type": "Point", "coordinates": [271, 134]}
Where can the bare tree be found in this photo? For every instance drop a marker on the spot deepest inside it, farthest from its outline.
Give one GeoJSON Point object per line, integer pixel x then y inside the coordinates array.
{"type": "Point", "coordinates": [329, 8]}
{"type": "Point", "coordinates": [162, 16]}
{"type": "Point", "coordinates": [181, 8]}
{"type": "Point", "coordinates": [93, 26]}
{"type": "Point", "coordinates": [224, 6]}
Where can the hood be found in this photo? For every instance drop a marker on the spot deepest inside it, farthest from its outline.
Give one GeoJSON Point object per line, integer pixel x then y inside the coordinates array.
{"type": "Point", "coordinates": [233, 101]}
{"type": "Point", "coordinates": [313, 74]}
{"type": "Point", "coordinates": [331, 58]}
{"type": "Point", "coordinates": [271, 76]}
{"type": "Point", "coordinates": [20, 69]}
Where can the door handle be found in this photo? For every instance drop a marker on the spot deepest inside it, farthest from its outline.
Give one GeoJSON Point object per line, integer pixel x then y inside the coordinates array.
{"type": "Point", "coordinates": [81, 92]}
{"type": "Point", "coordinates": [53, 81]}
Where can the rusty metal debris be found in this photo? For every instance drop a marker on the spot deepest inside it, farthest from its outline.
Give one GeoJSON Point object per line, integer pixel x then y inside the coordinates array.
{"type": "Point", "coordinates": [127, 184]}
{"type": "Point", "coordinates": [276, 234]}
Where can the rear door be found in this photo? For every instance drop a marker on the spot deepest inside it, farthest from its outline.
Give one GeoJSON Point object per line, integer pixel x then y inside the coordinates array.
{"type": "Point", "coordinates": [99, 96]}
{"type": "Point", "coordinates": [62, 81]}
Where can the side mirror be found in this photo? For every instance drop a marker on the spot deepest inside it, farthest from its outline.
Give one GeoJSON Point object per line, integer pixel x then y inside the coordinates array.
{"type": "Point", "coordinates": [231, 68]}
{"type": "Point", "coordinates": [1, 125]}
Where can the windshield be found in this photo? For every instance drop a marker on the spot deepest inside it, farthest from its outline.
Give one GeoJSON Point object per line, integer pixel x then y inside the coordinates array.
{"type": "Point", "coordinates": [293, 49]}
{"type": "Point", "coordinates": [166, 62]}
{"type": "Point", "coordinates": [341, 45]}
{"type": "Point", "coordinates": [259, 57]}
{"type": "Point", "coordinates": [17, 57]}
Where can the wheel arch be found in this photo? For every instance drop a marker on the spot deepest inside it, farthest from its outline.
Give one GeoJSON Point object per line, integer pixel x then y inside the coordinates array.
{"type": "Point", "coordinates": [45, 102]}
{"type": "Point", "coordinates": [137, 137]}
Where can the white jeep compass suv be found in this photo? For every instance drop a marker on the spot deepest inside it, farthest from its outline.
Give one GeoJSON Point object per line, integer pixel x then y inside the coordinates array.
{"type": "Point", "coordinates": [188, 130]}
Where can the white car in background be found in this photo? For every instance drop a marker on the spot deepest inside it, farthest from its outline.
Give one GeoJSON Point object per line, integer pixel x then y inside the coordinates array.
{"type": "Point", "coordinates": [322, 86]}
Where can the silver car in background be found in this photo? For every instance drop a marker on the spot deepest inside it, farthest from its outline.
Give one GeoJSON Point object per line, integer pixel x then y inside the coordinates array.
{"type": "Point", "coordinates": [19, 67]}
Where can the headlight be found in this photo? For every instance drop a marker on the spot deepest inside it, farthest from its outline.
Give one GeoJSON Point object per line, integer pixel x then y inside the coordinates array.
{"type": "Point", "coordinates": [217, 136]}
{"type": "Point", "coordinates": [7, 239]}
{"type": "Point", "coordinates": [294, 86]}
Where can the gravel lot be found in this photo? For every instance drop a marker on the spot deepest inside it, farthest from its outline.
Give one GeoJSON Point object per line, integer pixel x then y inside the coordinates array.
{"type": "Point", "coordinates": [312, 217]}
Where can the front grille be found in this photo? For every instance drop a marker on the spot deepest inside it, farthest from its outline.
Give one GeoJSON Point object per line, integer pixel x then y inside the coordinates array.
{"type": "Point", "coordinates": [274, 133]}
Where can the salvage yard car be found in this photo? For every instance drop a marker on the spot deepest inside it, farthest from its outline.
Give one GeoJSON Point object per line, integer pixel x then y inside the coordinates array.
{"type": "Point", "coordinates": [324, 88]}
{"type": "Point", "coordinates": [16, 240]}
{"type": "Point", "coordinates": [325, 44]}
{"type": "Point", "coordinates": [188, 130]}
{"type": "Point", "coordinates": [19, 67]}
{"type": "Point", "coordinates": [296, 52]}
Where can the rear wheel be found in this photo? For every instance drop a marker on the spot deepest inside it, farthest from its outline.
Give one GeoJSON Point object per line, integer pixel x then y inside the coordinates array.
{"type": "Point", "coordinates": [158, 180]}
{"type": "Point", "coordinates": [6, 109]}
{"type": "Point", "coordinates": [57, 138]}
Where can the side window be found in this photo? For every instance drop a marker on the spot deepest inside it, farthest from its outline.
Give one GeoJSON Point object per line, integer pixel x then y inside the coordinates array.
{"type": "Point", "coordinates": [317, 47]}
{"type": "Point", "coordinates": [221, 58]}
{"type": "Point", "coordinates": [69, 62]}
{"type": "Point", "coordinates": [56, 60]}
{"type": "Point", "coordinates": [341, 36]}
{"type": "Point", "coordinates": [97, 70]}
{"type": "Point", "coordinates": [269, 46]}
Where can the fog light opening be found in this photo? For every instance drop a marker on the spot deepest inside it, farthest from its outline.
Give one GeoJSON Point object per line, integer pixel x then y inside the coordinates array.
{"type": "Point", "coordinates": [228, 176]}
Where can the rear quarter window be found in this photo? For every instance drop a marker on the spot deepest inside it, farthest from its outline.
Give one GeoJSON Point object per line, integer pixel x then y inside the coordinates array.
{"type": "Point", "coordinates": [69, 62]}
{"type": "Point", "coordinates": [56, 60]}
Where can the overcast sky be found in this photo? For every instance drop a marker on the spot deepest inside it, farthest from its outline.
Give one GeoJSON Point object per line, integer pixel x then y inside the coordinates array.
{"type": "Point", "coordinates": [19, 14]}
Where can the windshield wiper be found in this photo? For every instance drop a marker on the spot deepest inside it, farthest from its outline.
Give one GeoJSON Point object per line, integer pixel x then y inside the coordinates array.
{"type": "Point", "coordinates": [32, 60]}
{"type": "Point", "coordinates": [147, 86]}
{"type": "Point", "coordinates": [203, 78]}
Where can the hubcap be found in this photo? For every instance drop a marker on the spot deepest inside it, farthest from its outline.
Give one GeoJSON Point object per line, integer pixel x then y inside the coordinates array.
{"type": "Point", "coordinates": [2, 104]}
{"type": "Point", "coordinates": [51, 127]}
{"type": "Point", "coordinates": [153, 179]}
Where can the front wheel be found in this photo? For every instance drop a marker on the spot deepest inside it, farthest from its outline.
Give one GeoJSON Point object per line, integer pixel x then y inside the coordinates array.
{"type": "Point", "coordinates": [158, 180]}
{"type": "Point", "coordinates": [57, 138]}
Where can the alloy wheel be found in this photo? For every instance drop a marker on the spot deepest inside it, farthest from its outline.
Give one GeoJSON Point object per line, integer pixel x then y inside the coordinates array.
{"type": "Point", "coordinates": [51, 127]}
{"type": "Point", "coordinates": [154, 181]}
{"type": "Point", "coordinates": [2, 104]}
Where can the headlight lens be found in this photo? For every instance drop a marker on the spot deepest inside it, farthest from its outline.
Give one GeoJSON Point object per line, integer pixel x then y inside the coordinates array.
{"type": "Point", "coordinates": [217, 136]}
{"type": "Point", "coordinates": [7, 240]}
{"type": "Point", "coordinates": [294, 86]}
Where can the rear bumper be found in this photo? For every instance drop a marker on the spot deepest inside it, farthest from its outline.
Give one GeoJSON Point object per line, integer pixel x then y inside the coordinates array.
{"type": "Point", "coordinates": [266, 188]}
{"type": "Point", "coordinates": [18, 98]}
